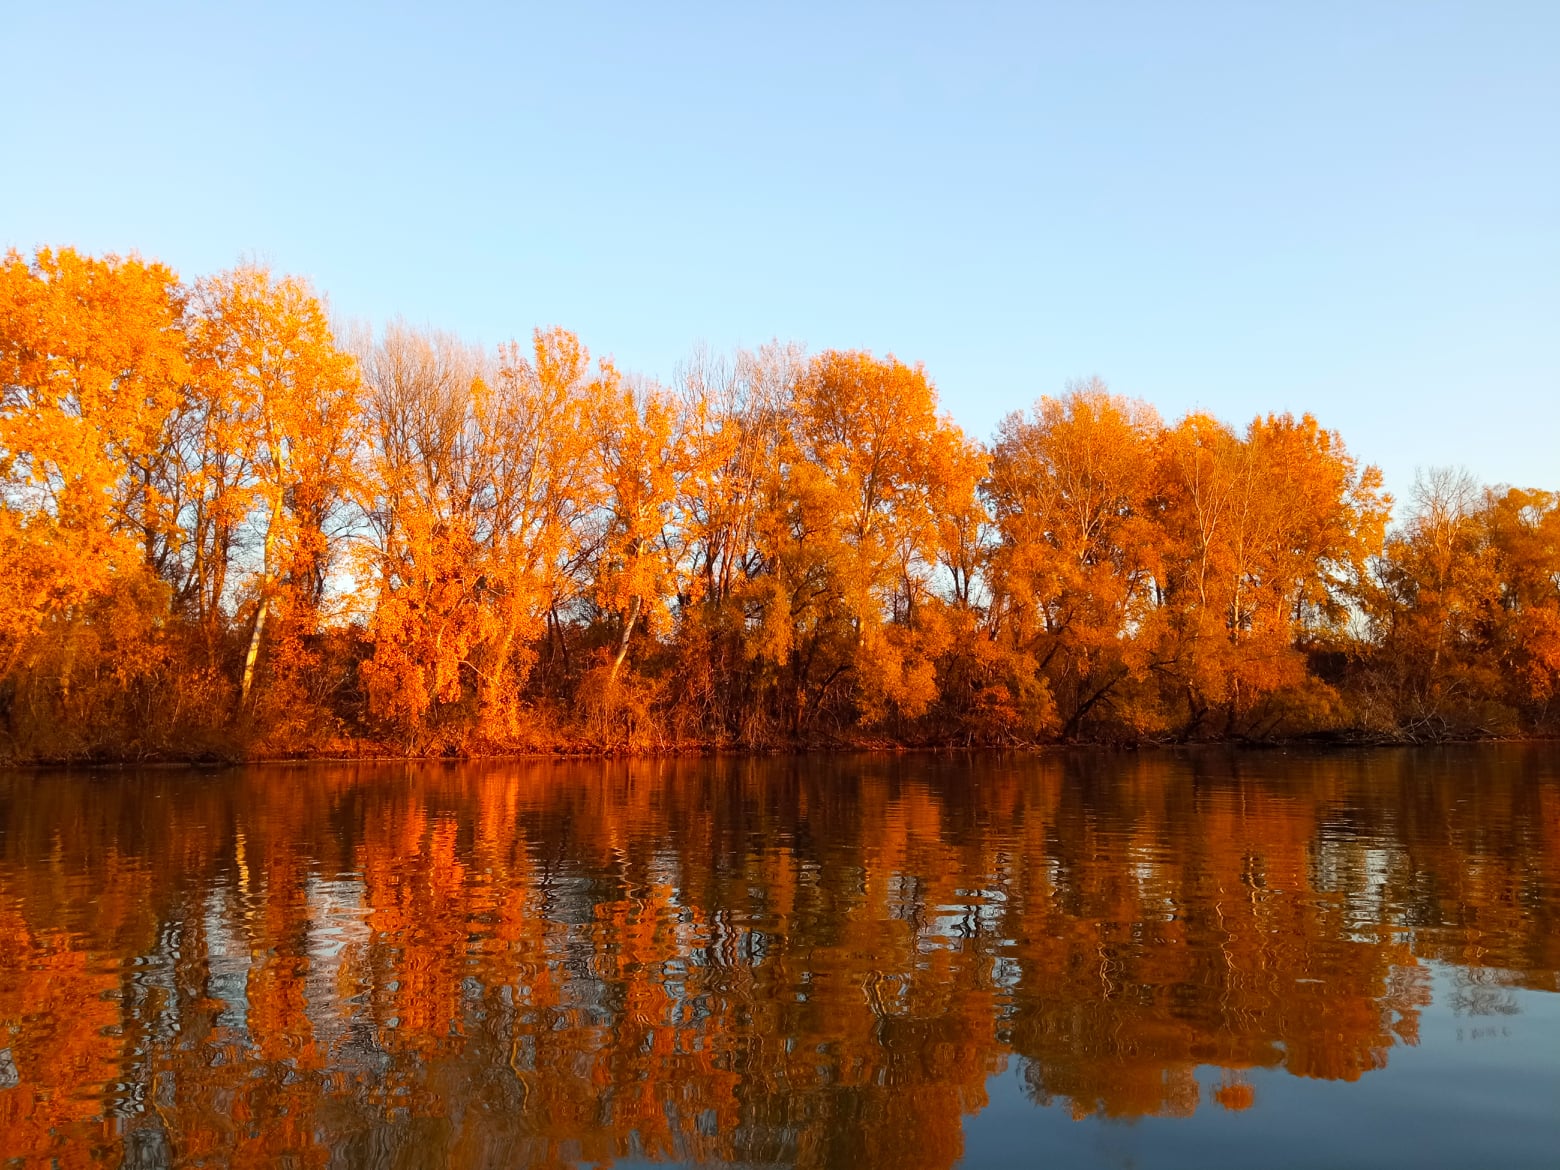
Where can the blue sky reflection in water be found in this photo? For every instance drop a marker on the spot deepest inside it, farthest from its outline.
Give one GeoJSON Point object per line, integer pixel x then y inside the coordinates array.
{"type": "Point", "coordinates": [1157, 959]}
{"type": "Point", "coordinates": [1473, 1091]}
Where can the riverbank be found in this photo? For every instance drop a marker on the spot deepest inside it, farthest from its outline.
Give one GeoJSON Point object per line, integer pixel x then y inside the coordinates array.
{"type": "Point", "coordinates": [378, 752]}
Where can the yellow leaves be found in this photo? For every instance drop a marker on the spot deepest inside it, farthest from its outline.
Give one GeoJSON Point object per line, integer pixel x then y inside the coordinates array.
{"type": "Point", "coordinates": [1524, 530]}
{"type": "Point", "coordinates": [284, 399]}
{"type": "Point", "coordinates": [871, 426]}
{"type": "Point", "coordinates": [91, 361]}
{"type": "Point", "coordinates": [1467, 607]}
{"type": "Point", "coordinates": [1189, 553]}
{"type": "Point", "coordinates": [459, 547]}
{"type": "Point", "coordinates": [429, 623]}
{"type": "Point", "coordinates": [1267, 534]}
{"type": "Point", "coordinates": [895, 672]}
{"type": "Point", "coordinates": [1078, 565]}
{"type": "Point", "coordinates": [854, 527]}
{"type": "Point", "coordinates": [545, 483]}
{"type": "Point", "coordinates": [638, 457]}
{"type": "Point", "coordinates": [91, 365]}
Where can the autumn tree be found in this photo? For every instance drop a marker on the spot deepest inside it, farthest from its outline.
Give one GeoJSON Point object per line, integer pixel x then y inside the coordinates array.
{"type": "Point", "coordinates": [1075, 573]}
{"type": "Point", "coordinates": [479, 488]}
{"type": "Point", "coordinates": [285, 399]}
{"type": "Point", "coordinates": [1264, 536]}
{"type": "Point", "coordinates": [1523, 528]}
{"type": "Point", "coordinates": [851, 540]}
{"type": "Point", "coordinates": [735, 418]}
{"type": "Point", "coordinates": [1465, 608]}
{"type": "Point", "coordinates": [92, 365]}
{"type": "Point", "coordinates": [422, 487]}
{"type": "Point", "coordinates": [634, 430]}
{"type": "Point", "coordinates": [221, 532]}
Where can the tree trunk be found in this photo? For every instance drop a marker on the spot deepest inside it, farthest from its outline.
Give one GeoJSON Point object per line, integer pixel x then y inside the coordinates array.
{"type": "Point", "coordinates": [628, 628]}
{"type": "Point", "coordinates": [253, 652]}
{"type": "Point", "coordinates": [246, 684]}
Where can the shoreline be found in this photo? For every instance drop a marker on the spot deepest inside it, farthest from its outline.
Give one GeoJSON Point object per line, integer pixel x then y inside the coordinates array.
{"type": "Point", "coordinates": [1321, 744]}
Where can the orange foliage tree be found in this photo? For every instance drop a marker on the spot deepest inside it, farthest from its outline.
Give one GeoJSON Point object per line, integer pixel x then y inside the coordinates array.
{"type": "Point", "coordinates": [92, 362]}
{"type": "Point", "coordinates": [223, 531]}
{"type": "Point", "coordinates": [287, 397]}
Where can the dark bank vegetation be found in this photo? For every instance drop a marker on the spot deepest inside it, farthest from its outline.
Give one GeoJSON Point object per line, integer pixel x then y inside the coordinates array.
{"type": "Point", "coordinates": [226, 530]}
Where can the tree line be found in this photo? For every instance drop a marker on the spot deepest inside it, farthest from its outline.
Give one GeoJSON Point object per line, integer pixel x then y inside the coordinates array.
{"type": "Point", "coordinates": [228, 528]}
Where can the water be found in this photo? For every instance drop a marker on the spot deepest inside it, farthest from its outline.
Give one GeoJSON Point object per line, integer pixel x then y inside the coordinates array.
{"type": "Point", "coordinates": [1150, 960]}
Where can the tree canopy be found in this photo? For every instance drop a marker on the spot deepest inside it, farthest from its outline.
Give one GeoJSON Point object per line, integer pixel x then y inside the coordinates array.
{"type": "Point", "coordinates": [225, 529]}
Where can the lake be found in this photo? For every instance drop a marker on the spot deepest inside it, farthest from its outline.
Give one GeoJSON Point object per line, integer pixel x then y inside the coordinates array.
{"type": "Point", "coordinates": [1207, 958]}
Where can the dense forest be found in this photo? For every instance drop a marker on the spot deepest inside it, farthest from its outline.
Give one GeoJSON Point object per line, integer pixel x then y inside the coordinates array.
{"type": "Point", "coordinates": [229, 529]}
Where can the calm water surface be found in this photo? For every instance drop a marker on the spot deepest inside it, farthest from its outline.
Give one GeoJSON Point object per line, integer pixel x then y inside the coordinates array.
{"type": "Point", "coordinates": [1205, 959]}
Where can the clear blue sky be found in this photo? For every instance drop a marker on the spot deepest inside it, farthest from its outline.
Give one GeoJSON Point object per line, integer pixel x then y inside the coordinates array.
{"type": "Point", "coordinates": [1348, 208]}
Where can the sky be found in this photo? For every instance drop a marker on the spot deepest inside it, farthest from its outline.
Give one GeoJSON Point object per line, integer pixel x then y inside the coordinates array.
{"type": "Point", "coordinates": [1351, 209]}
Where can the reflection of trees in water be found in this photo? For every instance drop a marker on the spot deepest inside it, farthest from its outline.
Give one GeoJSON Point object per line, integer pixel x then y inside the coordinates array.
{"type": "Point", "coordinates": [801, 962]}
{"type": "Point", "coordinates": [1481, 992]}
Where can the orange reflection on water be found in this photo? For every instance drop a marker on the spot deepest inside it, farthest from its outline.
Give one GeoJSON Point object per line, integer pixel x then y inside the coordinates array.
{"type": "Point", "coordinates": [811, 962]}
